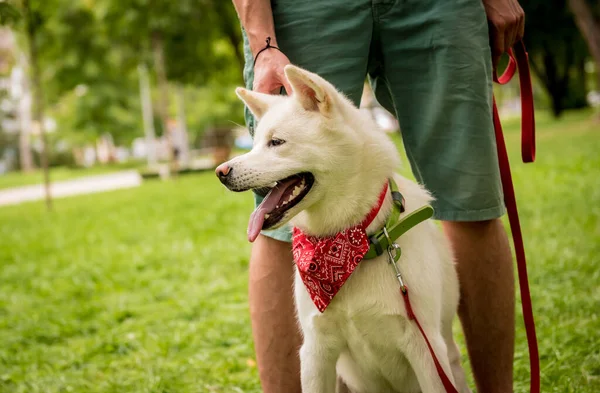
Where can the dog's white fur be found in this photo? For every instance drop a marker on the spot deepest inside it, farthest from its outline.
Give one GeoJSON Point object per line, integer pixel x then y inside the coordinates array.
{"type": "Point", "coordinates": [364, 335]}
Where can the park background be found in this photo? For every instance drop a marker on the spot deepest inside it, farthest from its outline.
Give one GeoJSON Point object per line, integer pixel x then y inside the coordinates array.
{"type": "Point", "coordinates": [133, 276]}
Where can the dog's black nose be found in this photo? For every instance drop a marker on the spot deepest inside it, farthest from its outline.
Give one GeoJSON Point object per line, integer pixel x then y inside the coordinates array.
{"type": "Point", "coordinates": [223, 171]}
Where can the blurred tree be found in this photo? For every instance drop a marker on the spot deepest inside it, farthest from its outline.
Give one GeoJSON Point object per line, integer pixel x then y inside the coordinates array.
{"type": "Point", "coordinates": [587, 17]}
{"type": "Point", "coordinates": [230, 27]}
{"type": "Point", "coordinates": [189, 41]}
{"type": "Point", "coordinates": [9, 13]}
{"type": "Point", "coordinates": [30, 26]}
{"type": "Point", "coordinates": [18, 82]}
{"type": "Point", "coordinates": [557, 52]}
{"type": "Point", "coordinates": [147, 115]}
{"type": "Point", "coordinates": [90, 51]}
{"type": "Point", "coordinates": [213, 105]}
{"type": "Point", "coordinates": [24, 113]}
{"type": "Point", "coordinates": [33, 25]}
{"type": "Point", "coordinates": [84, 68]}
{"type": "Point", "coordinates": [89, 111]}
{"type": "Point", "coordinates": [78, 60]}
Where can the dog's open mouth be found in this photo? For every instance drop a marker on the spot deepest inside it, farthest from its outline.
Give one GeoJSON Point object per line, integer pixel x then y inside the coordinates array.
{"type": "Point", "coordinates": [286, 194]}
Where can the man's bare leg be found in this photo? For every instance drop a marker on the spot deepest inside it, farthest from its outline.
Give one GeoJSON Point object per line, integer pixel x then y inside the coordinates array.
{"type": "Point", "coordinates": [487, 306]}
{"type": "Point", "coordinates": [277, 337]}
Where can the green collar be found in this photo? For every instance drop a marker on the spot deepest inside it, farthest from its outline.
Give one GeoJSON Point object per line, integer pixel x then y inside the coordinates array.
{"type": "Point", "coordinates": [395, 225]}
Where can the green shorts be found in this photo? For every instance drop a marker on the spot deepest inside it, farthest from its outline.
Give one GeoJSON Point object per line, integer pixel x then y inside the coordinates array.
{"type": "Point", "coordinates": [429, 62]}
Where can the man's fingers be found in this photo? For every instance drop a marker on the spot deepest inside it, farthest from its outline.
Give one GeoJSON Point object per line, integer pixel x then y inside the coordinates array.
{"type": "Point", "coordinates": [263, 86]}
{"type": "Point", "coordinates": [284, 82]}
{"type": "Point", "coordinates": [509, 38]}
{"type": "Point", "coordinates": [497, 47]}
{"type": "Point", "coordinates": [287, 87]}
{"type": "Point", "coordinates": [506, 26]}
{"type": "Point", "coordinates": [260, 88]}
{"type": "Point", "coordinates": [521, 28]}
{"type": "Point", "coordinates": [273, 87]}
{"type": "Point", "coordinates": [256, 86]}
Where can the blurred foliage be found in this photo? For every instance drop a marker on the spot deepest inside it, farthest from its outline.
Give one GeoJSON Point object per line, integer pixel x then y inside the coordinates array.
{"type": "Point", "coordinates": [212, 106]}
{"type": "Point", "coordinates": [90, 50]}
{"type": "Point", "coordinates": [199, 46]}
{"type": "Point", "coordinates": [557, 53]}
{"type": "Point", "coordinates": [9, 13]}
{"type": "Point", "coordinates": [87, 112]}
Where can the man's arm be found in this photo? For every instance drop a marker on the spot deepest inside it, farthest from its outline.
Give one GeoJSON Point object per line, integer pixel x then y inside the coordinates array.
{"type": "Point", "coordinates": [257, 19]}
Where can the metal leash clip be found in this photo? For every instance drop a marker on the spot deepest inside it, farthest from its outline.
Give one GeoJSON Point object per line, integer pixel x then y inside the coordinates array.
{"type": "Point", "coordinates": [394, 251]}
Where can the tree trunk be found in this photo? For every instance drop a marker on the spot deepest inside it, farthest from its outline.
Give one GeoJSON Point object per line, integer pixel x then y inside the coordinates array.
{"type": "Point", "coordinates": [577, 92]}
{"type": "Point", "coordinates": [24, 115]}
{"type": "Point", "coordinates": [556, 83]}
{"type": "Point", "coordinates": [184, 147]}
{"type": "Point", "coordinates": [163, 88]}
{"type": "Point", "coordinates": [557, 107]}
{"type": "Point", "coordinates": [38, 96]}
{"type": "Point", "coordinates": [554, 72]}
{"type": "Point", "coordinates": [147, 115]}
{"type": "Point", "coordinates": [590, 29]}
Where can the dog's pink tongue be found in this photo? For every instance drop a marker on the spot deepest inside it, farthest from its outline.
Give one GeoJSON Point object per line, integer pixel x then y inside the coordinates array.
{"type": "Point", "coordinates": [257, 218]}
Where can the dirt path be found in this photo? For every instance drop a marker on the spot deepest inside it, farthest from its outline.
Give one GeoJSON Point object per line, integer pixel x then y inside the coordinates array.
{"type": "Point", "coordinates": [82, 185]}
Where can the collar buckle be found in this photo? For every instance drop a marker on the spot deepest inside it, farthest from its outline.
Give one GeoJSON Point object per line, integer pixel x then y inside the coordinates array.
{"type": "Point", "coordinates": [394, 253]}
{"type": "Point", "coordinates": [396, 225]}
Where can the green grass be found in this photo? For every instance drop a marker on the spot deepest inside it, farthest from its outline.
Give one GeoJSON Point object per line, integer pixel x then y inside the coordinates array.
{"type": "Point", "coordinates": [144, 290]}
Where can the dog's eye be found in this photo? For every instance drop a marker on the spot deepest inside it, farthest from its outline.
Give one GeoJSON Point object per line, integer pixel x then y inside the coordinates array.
{"type": "Point", "coordinates": [275, 142]}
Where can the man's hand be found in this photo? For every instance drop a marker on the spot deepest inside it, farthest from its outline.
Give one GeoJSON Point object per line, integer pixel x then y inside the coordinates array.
{"type": "Point", "coordinates": [507, 25]}
{"type": "Point", "coordinates": [268, 72]}
{"type": "Point", "coordinates": [257, 18]}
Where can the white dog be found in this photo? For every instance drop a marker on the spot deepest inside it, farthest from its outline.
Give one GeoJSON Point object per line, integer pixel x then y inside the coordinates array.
{"type": "Point", "coordinates": [324, 164]}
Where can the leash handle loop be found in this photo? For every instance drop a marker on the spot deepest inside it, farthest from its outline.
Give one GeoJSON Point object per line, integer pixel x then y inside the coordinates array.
{"type": "Point", "coordinates": [510, 70]}
{"type": "Point", "coordinates": [518, 59]}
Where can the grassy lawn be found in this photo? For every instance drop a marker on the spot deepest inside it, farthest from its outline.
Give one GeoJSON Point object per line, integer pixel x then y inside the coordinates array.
{"type": "Point", "coordinates": [145, 290]}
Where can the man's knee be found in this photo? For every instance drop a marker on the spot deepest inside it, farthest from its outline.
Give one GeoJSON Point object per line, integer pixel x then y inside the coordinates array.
{"type": "Point", "coordinates": [478, 243]}
{"type": "Point", "coordinates": [271, 259]}
{"type": "Point", "coordinates": [474, 226]}
{"type": "Point", "coordinates": [265, 246]}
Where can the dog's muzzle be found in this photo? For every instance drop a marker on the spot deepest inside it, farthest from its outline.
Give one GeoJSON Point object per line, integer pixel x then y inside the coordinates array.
{"type": "Point", "coordinates": [223, 172]}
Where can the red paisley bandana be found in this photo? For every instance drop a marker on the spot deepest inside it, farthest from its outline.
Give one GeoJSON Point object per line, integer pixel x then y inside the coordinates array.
{"type": "Point", "coordinates": [326, 263]}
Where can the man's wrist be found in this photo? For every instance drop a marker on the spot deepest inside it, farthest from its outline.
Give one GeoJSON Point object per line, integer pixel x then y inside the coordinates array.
{"type": "Point", "coordinates": [258, 40]}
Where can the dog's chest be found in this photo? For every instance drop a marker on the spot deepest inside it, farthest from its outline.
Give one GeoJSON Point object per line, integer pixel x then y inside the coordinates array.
{"type": "Point", "coordinates": [371, 291]}
{"type": "Point", "coordinates": [369, 322]}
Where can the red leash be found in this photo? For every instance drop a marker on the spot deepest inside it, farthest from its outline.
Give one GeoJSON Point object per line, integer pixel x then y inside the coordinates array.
{"type": "Point", "coordinates": [518, 60]}
{"type": "Point", "coordinates": [411, 316]}
{"type": "Point", "coordinates": [528, 155]}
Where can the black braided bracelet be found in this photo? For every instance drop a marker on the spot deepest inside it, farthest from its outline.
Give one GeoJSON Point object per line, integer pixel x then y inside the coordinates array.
{"type": "Point", "coordinates": [268, 46]}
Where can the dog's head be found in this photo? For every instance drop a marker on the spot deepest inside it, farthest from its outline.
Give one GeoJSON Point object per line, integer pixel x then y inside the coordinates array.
{"type": "Point", "coordinates": [308, 148]}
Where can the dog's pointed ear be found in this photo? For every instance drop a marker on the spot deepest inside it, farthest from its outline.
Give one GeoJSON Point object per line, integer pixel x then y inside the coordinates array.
{"type": "Point", "coordinates": [310, 89]}
{"type": "Point", "coordinates": [258, 103]}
